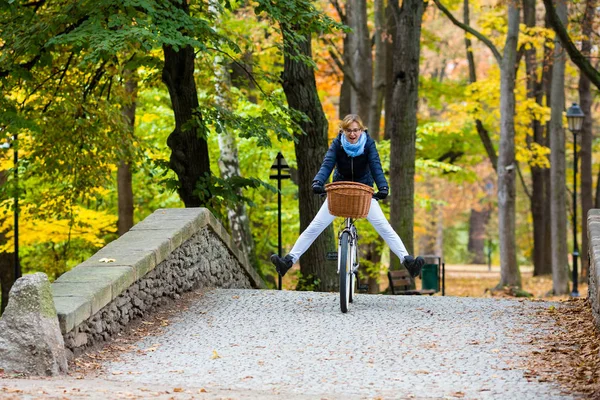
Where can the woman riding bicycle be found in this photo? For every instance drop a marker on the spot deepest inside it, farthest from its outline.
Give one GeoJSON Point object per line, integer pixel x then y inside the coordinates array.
{"type": "Point", "coordinates": [354, 154]}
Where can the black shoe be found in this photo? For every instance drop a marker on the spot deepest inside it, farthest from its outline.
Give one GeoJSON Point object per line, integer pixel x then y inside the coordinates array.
{"type": "Point", "coordinates": [282, 265]}
{"type": "Point", "coordinates": [413, 265]}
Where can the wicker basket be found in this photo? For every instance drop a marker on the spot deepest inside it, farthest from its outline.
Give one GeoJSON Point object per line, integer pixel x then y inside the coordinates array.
{"type": "Point", "coordinates": [349, 199]}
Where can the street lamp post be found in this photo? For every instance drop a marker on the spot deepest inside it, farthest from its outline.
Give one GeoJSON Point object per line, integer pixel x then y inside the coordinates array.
{"type": "Point", "coordinates": [283, 170]}
{"type": "Point", "coordinates": [575, 119]}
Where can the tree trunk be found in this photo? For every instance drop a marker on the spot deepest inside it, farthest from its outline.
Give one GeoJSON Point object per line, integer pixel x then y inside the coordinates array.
{"type": "Point", "coordinates": [378, 71]}
{"type": "Point", "coordinates": [509, 269]}
{"type": "Point", "coordinates": [389, 67]}
{"type": "Point", "coordinates": [585, 101]}
{"type": "Point", "coordinates": [359, 59]}
{"type": "Point", "coordinates": [7, 262]}
{"type": "Point", "coordinates": [229, 165]}
{"type": "Point", "coordinates": [560, 265]}
{"type": "Point", "coordinates": [403, 118]}
{"type": "Point", "coordinates": [345, 106]}
{"type": "Point", "coordinates": [546, 266]}
{"type": "Point", "coordinates": [124, 178]}
{"type": "Point", "coordinates": [7, 277]}
{"type": "Point", "coordinates": [345, 101]}
{"type": "Point", "coordinates": [540, 260]}
{"type": "Point", "coordinates": [189, 150]}
{"type": "Point", "coordinates": [298, 81]}
{"type": "Point", "coordinates": [477, 234]}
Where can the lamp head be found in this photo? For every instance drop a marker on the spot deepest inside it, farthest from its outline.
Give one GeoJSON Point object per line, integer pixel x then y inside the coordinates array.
{"type": "Point", "coordinates": [575, 118]}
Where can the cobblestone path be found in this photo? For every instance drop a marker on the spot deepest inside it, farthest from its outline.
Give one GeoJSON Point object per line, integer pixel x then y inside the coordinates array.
{"type": "Point", "coordinates": [298, 345]}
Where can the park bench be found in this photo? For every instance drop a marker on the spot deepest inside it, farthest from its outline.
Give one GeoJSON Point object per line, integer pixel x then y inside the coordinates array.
{"type": "Point", "coordinates": [400, 280]}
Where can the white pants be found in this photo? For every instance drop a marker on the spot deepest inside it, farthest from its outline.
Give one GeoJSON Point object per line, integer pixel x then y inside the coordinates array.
{"type": "Point", "coordinates": [324, 218]}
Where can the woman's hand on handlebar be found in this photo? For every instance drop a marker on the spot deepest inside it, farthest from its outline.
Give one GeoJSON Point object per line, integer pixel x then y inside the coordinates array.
{"type": "Point", "coordinates": [382, 194]}
{"type": "Point", "coordinates": [318, 187]}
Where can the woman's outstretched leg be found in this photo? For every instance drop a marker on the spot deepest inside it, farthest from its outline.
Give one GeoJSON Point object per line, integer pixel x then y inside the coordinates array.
{"type": "Point", "coordinates": [385, 230]}
{"type": "Point", "coordinates": [318, 225]}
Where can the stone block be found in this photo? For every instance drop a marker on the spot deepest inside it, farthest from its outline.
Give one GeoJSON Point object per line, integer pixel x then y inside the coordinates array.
{"type": "Point", "coordinates": [98, 292]}
{"type": "Point", "coordinates": [150, 240]}
{"type": "Point", "coordinates": [178, 227]}
{"type": "Point", "coordinates": [72, 311]}
{"type": "Point", "coordinates": [30, 337]}
{"type": "Point", "coordinates": [142, 261]}
{"type": "Point", "coordinates": [119, 277]}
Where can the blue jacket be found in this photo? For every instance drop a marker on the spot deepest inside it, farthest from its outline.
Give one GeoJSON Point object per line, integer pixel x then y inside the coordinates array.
{"type": "Point", "coordinates": [365, 168]}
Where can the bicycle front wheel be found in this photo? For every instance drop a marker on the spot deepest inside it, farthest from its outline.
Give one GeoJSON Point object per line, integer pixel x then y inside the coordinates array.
{"type": "Point", "coordinates": [345, 271]}
{"type": "Point", "coordinates": [353, 272]}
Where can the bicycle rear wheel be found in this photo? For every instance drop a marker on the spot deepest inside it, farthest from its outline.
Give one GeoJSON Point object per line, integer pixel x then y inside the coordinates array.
{"type": "Point", "coordinates": [345, 271]}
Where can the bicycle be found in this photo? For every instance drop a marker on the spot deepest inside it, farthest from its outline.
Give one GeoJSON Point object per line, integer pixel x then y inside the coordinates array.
{"type": "Point", "coordinates": [349, 200]}
{"type": "Point", "coordinates": [348, 263]}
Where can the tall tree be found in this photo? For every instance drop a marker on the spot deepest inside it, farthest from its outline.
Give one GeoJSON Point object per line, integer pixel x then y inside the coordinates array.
{"type": "Point", "coordinates": [229, 165]}
{"type": "Point", "coordinates": [300, 89]}
{"type": "Point", "coordinates": [560, 264]}
{"type": "Point", "coordinates": [403, 116]}
{"type": "Point", "coordinates": [356, 61]}
{"type": "Point", "coordinates": [189, 149]}
{"type": "Point", "coordinates": [359, 59]}
{"type": "Point", "coordinates": [585, 101]}
{"type": "Point", "coordinates": [480, 216]}
{"type": "Point", "coordinates": [378, 94]}
{"type": "Point", "coordinates": [7, 262]}
{"type": "Point", "coordinates": [541, 251]}
{"type": "Point", "coordinates": [509, 269]}
{"type": "Point", "coordinates": [547, 74]}
{"type": "Point", "coordinates": [124, 175]}
{"type": "Point", "coordinates": [509, 274]}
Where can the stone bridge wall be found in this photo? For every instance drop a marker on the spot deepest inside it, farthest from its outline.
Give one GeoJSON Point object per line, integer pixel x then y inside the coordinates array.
{"type": "Point", "coordinates": [593, 223]}
{"type": "Point", "coordinates": [168, 253]}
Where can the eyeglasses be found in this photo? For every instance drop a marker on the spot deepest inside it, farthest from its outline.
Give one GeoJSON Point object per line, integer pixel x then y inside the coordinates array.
{"type": "Point", "coordinates": [353, 130]}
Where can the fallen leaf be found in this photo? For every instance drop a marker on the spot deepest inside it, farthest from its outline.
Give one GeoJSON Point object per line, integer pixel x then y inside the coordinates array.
{"type": "Point", "coordinates": [215, 355]}
{"type": "Point", "coordinates": [107, 260]}
{"type": "Point", "coordinates": [177, 390]}
{"type": "Point", "coordinates": [202, 390]}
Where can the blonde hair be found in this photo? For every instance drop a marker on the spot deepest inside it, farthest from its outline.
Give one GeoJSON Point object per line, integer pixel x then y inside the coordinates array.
{"type": "Point", "coordinates": [349, 119]}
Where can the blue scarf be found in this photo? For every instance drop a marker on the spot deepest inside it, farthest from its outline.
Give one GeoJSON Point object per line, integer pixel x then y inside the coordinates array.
{"type": "Point", "coordinates": [356, 149]}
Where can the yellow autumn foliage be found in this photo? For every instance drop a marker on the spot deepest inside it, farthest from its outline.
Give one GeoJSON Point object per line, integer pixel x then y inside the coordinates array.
{"type": "Point", "coordinates": [87, 225]}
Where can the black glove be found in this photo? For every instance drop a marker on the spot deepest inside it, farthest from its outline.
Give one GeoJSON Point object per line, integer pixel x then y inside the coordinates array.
{"type": "Point", "coordinates": [382, 194]}
{"type": "Point", "coordinates": [318, 187]}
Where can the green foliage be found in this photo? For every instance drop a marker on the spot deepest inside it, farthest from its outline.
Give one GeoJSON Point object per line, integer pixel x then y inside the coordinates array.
{"type": "Point", "coordinates": [307, 283]}
{"type": "Point", "coordinates": [219, 194]}
{"type": "Point", "coordinates": [456, 238]}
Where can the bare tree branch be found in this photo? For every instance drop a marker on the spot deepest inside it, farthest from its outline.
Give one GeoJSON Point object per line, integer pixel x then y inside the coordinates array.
{"type": "Point", "coordinates": [472, 31]}
{"type": "Point", "coordinates": [348, 73]}
{"type": "Point", "coordinates": [579, 59]}
{"type": "Point", "coordinates": [339, 10]}
{"type": "Point", "coordinates": [522, 180]}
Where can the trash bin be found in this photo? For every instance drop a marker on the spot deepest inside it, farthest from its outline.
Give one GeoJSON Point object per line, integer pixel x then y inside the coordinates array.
{"type": "Point", "coordinates": [429, 277]}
